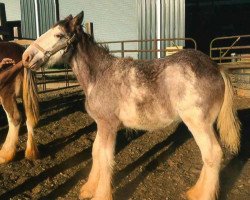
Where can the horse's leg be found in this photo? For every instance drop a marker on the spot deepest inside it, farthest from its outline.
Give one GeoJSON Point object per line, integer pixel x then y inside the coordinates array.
{"type": "Point", "coordinates": [207, 185]}
{"type": "Point", "coordinates": [8, 150]}
{"type": "Point", "coordinates": [89, 188]}
{"type": "Point", "coordinates": [31, 152]}
{"type": "Point", "coordinates": [104, 160]}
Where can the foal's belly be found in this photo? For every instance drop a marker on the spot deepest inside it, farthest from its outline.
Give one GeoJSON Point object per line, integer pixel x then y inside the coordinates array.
{"type": "Point", "coordinates": [147, 118]}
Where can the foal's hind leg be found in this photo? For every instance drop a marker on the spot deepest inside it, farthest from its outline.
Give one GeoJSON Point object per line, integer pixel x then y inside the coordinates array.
{"type": "Point", "coordinates": [8, 150]}
{"type": "Point", "coordinates": [207, 185]}
{"type": "Point", "coordinates": [31, 152]}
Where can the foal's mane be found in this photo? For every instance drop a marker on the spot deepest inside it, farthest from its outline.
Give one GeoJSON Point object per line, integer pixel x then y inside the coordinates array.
{"type": "Point", "coordinates": [91, 40]}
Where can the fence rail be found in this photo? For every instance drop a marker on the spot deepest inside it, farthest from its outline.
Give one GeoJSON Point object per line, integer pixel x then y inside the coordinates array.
{"type": "Point", "coordinates": [156, 47]}
{"type": "Point", "coordinates": [232, 50]}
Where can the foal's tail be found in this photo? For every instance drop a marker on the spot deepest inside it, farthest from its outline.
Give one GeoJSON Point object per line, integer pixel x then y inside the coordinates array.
{"type": "Point", "coordinates": [30, 97]}
{"type": "Point", "coordinates": [228, 122]}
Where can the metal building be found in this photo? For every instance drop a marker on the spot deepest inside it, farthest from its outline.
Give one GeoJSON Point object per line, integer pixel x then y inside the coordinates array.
{"type": "Point", "coordinates": [37, 16]}
{"type": "Point", "coordinates": [113, 20]}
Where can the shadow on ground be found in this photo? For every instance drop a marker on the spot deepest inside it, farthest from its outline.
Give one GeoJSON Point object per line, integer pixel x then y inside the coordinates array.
{"type": "Point", "coordinates": [233, 169]}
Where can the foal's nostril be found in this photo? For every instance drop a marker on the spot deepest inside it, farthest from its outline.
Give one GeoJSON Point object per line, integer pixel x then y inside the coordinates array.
{"type": "Point", "coordinates": [26, 59]}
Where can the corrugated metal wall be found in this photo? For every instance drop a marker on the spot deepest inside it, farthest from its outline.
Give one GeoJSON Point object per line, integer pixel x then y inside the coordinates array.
{"type": "Point", "coordinates": [47, 16]}
{"type": "Point", "coordinates": [28, 18]}
{"type": "Point", "coordinates": [147, 26]}
{"type": "Point", "coordinates": [171, 20]}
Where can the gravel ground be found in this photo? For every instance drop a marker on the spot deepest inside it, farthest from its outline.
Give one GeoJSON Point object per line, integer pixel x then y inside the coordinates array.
{"type": "Point", "coordinates": [152, 166]}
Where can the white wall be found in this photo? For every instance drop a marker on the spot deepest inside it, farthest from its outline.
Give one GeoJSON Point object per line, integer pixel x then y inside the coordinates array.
{"type": "Point", "coordinates": [113, 19]}
{"type": "Point", "coordinates": [12, 8]}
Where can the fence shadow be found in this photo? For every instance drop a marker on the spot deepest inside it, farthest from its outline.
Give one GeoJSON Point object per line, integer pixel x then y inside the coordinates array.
{"type": "Point", "coordinates": [174, 141]}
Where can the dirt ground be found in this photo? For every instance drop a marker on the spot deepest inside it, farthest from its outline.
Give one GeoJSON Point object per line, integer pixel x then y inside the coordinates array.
{"type": "Point", "coordinates": [158, 165]}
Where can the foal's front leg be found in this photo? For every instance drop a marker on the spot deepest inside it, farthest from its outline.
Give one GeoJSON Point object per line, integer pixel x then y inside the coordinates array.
{"type": "Point", "coordinates": [99, 182]}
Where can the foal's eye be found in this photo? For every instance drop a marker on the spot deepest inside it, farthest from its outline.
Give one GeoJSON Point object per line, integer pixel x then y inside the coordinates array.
{"type": "Point", "coordinates": [60, 36]}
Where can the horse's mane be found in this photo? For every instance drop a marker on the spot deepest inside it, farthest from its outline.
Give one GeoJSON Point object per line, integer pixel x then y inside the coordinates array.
{"type": "Point", "coordinates": [91, 40]}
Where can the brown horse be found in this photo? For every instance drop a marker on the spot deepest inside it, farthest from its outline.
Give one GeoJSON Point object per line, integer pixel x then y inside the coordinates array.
{"type": "Point", "coordinates": [146, 95]}
{"type": "Point", "coordinates": [22, 81]}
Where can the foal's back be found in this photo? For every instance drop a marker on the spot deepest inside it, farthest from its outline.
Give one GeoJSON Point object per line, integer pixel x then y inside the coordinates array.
{"type": "Point", "coordinates": [155, 93]}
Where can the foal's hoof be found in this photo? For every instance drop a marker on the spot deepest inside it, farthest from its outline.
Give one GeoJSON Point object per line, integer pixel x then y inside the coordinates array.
{"type": "Point", "coordinates": [98, 198]}
{"type": "Point", "coordinates": [86, 193]}
{"type": "Point", "coordinates": [192, 194]}
{"type": "Point", "coordinates": [6, 156]}
{"type": "Point", "coordinates": [32, 153]}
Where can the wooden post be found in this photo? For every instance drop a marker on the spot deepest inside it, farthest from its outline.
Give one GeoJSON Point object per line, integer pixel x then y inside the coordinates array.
{"type": "Point", "coordinates": [2, 15]}
{"type": "Point", "coordinates": [16, 32]}
{"type": "Point", "coordinates": [2, 18]}
{"type": "Point", "coordinates": [90, 28]}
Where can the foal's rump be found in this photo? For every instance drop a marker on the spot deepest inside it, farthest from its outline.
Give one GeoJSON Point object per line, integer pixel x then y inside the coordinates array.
{"type": "Point", "coordinates": [160, 91]}
{"type": "Point", "coordinates": [194, 82]}
{"type": "Point", "coordinates": [203, 93]}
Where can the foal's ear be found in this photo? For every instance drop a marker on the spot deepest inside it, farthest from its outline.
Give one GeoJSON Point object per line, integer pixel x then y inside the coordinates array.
{"type": "Point", "coordinates": [76, 21]}
{"type": "Point", "coordinates": [68, 18]}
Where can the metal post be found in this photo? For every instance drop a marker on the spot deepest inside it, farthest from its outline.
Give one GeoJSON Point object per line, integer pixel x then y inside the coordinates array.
{"type": "Point", "coordinates": [155, 47]}
{"type": "Point", "coordinates": [44, 79]}
{"type": "Point", "coordinates": [37, 19]}
{"type": "Point", "coordinates": [66, 75]}
{"type": "Point", "coordinates": [122, 48]}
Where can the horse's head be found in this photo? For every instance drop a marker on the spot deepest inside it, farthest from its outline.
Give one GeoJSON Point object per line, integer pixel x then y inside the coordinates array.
{"type": "Point", "coordinates": [54, 46]}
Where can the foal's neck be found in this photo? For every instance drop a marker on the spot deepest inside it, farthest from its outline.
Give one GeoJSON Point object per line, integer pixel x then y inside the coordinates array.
{"type": "Point", "coordinates": [89, 61]}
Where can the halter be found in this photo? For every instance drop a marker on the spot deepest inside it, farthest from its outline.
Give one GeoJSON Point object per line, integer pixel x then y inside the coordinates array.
{"type": "Point", "coordinates": [66, 45]}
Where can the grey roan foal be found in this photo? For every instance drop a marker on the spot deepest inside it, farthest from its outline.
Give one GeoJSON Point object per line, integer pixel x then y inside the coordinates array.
{"type": "Point", "coordinates": [145, 95]}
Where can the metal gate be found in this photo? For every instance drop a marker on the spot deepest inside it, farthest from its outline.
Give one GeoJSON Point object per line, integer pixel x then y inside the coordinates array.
{"type": "Point", "coordinates": [233, 54]}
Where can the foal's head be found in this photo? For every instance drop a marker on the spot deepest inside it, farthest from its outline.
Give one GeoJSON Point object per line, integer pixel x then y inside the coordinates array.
{"type": "Point", "coordinates": [54, 46]}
